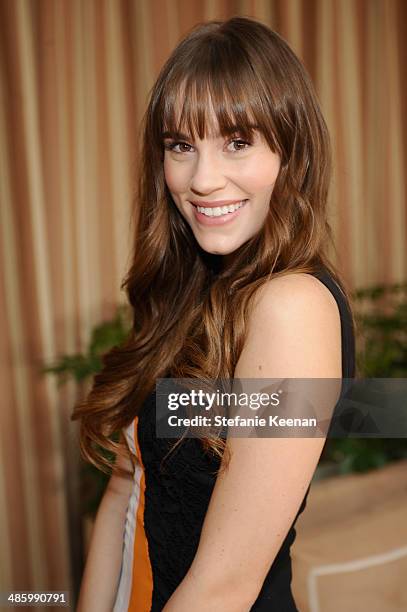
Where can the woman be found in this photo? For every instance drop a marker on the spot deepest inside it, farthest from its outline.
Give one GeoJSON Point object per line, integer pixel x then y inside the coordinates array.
{"type": "Point", "coordinates": [230, 279]}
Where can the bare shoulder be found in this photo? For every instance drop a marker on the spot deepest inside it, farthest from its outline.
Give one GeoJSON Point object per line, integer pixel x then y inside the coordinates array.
{"type": "Point", "coordinates": [294, 291]}
{"type": "Point", "coordinates": [294, 329]}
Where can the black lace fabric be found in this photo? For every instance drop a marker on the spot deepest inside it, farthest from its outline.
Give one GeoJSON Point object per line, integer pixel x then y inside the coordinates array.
{"type": "Point", "coordinates": [177, 496]}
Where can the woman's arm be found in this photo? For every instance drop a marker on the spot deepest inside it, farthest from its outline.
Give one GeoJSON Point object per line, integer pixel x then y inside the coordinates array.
{"type": "Point", "coordinates": [102, 570]}
{"type": "Point", "coordinates": [294, 332]}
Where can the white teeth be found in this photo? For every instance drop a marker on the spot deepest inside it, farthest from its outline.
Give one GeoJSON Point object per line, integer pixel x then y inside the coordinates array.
{"type": "Point", "coordinates": [217, 211]}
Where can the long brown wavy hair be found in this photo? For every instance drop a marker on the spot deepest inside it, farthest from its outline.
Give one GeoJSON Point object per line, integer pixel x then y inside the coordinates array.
{"type": "Point", "coordinates": [189, 312]}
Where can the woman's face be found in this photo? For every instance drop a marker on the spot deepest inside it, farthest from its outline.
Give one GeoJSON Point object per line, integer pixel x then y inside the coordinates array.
{"type": "Point", "coordinates": [221, 186]}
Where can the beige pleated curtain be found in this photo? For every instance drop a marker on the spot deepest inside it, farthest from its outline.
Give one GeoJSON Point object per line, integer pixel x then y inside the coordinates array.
{"type": "Point", "coordinates": [74, 79]}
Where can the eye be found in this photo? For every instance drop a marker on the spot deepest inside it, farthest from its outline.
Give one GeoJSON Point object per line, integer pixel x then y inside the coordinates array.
{"type": "Point", "coordinates": [178, 146]}
{"type": "Point", "coordinates": [237, 144]}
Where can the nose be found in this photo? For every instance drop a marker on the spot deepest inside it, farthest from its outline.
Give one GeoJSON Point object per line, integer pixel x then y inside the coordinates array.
{"type": "Point", "coordinates": [208, 175]}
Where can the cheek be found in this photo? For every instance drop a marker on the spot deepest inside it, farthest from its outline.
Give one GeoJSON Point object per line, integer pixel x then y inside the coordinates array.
{"type": "Point", "coordinates": [176, 183]}
{"type": "Point", "coordinates": [175, 176]}
{"type": "Point", "coordinates": [259, 175]}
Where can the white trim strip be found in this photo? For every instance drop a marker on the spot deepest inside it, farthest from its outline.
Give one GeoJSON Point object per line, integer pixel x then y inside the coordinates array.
{"type": "Point", "coordinates": [348, 566]}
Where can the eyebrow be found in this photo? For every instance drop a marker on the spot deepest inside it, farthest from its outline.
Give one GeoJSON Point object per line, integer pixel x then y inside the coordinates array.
{"type": "Point", "coordinates": [234, 129]}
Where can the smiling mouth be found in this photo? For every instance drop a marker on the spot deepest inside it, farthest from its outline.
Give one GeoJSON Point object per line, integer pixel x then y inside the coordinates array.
{"type": "Point", "coordinates": [218, 211]}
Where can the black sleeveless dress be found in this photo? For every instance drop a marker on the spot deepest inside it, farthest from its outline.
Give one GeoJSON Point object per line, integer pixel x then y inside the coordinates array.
{"type": "Point", "coordinates": [176, 499]}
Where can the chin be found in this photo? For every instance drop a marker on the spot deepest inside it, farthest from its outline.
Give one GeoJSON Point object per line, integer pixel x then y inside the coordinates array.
{"type": "Point", "coordinates": [219, 248]}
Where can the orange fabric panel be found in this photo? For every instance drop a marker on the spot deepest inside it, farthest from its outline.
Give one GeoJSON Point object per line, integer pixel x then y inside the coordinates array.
{"type": "Point", "coordinates": [142, 580]}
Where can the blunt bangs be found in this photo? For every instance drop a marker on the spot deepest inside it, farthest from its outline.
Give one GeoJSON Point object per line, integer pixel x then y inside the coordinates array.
{"type": "Point", "coordinates": [216, 93]}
